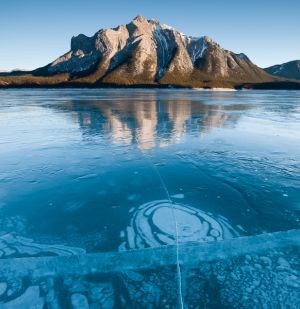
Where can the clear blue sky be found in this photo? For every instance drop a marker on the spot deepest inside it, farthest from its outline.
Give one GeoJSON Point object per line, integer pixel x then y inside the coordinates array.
{"type": "Point", "coordinates": [35, 32]}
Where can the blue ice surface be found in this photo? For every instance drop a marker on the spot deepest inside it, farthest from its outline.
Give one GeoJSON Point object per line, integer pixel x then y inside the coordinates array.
{"type": "Point", "coordinates": [111, 170]}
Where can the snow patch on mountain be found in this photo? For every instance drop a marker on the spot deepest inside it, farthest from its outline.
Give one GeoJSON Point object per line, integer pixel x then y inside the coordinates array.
{"type": "Point", "coordinates": [197, 48]}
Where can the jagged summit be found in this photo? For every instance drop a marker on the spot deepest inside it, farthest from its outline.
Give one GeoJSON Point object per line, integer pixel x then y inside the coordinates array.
{"type": "Point", "coordinates": [141, 19]}
{"type": "Point", "coordinates": [145, 51]}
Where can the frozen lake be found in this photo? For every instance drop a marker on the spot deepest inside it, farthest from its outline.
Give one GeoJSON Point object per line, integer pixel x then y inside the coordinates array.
{"type": "Point", "coordinates": [87, 176]}
{"type": "Point", "coordinates": [112, 170]}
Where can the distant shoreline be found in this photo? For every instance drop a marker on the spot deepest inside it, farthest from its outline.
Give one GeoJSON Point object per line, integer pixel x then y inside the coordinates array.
{"type": "Point", "coordinates": [262, 86]}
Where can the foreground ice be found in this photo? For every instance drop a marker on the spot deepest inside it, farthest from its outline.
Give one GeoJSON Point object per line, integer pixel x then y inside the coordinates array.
{"type": "Point", "coordinates": [146, 169]}
{"type": "Point", "coordinates": [248, 272]}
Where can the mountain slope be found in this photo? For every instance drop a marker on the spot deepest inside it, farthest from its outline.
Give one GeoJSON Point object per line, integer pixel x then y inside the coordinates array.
{"type": "Point", "coordinates": [288, 70]}
{"type": "Point", "coordinates": [145, 52]}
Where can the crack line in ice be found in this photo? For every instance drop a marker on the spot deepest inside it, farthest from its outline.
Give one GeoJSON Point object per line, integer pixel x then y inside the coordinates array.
{"type": "Point", "coordinates": [176, 227]}
{"type": "Point", "coordinates": [177, 235]}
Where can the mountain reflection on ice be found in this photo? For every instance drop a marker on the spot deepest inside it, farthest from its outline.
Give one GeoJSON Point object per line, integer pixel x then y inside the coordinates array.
{"type": "Point", "coordinates": [89, 168]}
{"type": "Point", "coordinates": [149, 120]}
{"type": "Point", "coordinates": [153, 225]}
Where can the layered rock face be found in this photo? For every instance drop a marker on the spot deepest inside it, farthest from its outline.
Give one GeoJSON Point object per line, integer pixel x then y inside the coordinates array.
{"type": "Point", "coordinates": [288, 70]}
{"type": "Point", "coordinates": [145, 52]}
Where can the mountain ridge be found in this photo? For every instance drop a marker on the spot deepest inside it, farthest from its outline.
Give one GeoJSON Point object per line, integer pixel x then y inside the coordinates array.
{"type": "Point", "coordinates": [290, 69]}
{"type": "Point", "coordinates": [144, 52]}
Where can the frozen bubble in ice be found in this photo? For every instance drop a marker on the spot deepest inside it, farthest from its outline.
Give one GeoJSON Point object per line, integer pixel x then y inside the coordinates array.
{"type": "Point", "coordinates": [178, 196]}
{"type": "Point", "coordinates": [153, 225]}
{"type": "Point", "coordinates": [133, 197]}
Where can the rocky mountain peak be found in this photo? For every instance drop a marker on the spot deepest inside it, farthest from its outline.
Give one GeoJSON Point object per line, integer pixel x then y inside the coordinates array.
{"type": "Point", "coordinates": [140, 19]}
{"type": "Point", "coordinates": [145, 51]}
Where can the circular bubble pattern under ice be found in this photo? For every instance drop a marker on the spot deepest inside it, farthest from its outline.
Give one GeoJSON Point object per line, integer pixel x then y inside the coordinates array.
{"type": "Point", "coordinates": [153, 225]}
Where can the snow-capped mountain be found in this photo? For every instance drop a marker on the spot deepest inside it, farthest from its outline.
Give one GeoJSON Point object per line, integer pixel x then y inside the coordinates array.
{"type": "Point", "coordinates": [288, 70]}
{"type": "Point", "coordinates": [146, 52]}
